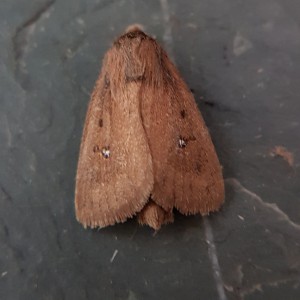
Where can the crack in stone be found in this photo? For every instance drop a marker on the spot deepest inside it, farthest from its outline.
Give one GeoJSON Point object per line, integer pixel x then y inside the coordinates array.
{"type": "Point", "coordinates": [271, 206]}
{"type": "Point", "coordinates": [8, 131]}
{"type": "Point", "coordinates": [57, 232]}
{"type": "Point", "coordinates": [213, 257]}
{"type": "Point", "coordinates": [7, 196]}
{"type": "Point", "coordinates": [259, 286]}
{"type": "Point", "coordinates": [20, 39]}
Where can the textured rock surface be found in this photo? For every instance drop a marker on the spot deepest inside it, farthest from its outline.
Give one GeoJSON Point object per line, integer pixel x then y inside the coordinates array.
{"type": "Point", "coordinates": [241, 60]}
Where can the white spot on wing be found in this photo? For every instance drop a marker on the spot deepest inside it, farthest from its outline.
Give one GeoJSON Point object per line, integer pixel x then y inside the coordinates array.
{"type": "Point", "coordinates": [105, 152]}
{"type": "Point", "coordinates": [182, 143]}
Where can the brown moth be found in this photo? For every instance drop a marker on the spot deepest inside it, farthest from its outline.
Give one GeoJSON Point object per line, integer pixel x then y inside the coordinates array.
{"type": "Point", "coordinates": [145, 149]}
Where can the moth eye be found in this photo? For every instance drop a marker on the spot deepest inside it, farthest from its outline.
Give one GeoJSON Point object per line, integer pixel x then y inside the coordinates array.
{"type": "Point", "coordinates": [182, 143]}
{"type": "Point", "coordinates": [105, 152]}
{"type": "Point", "coordinates": [100, 123]}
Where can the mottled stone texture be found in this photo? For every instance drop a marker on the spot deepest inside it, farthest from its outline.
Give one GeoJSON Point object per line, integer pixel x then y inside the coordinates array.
{"type": "Point", "coordinates": [241, 59]}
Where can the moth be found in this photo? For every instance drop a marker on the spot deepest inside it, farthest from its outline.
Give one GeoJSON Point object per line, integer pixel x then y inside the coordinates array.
{"type": "Point", "coordinates": [145, 149]}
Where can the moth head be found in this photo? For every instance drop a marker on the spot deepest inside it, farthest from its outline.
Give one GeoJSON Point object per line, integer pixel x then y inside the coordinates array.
{"type": "Point", "coordinates": [131, 39]}
{"type": "Point", "coordinates": [135, 50]}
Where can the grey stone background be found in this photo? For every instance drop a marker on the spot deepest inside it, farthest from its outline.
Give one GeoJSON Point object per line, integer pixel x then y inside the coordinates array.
{"type": "Point", "coordinates": [241, 58]}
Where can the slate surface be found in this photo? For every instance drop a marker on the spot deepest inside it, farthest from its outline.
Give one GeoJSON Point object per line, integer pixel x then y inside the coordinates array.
{"type": "Point", "coordinates": [241, 58]}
